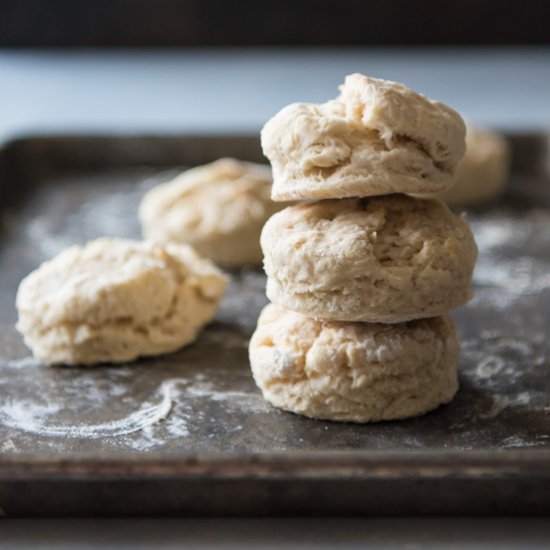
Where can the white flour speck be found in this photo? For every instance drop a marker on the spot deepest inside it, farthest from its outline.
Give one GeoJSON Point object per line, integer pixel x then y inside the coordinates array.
{"type": "Point", "coordinates": [8, 446]}
{"type": "Point", "coordinates": [235, 400]}
{"type": "Point", "coordinates": [490, 366]}
{"type": "Point", "coordinates": [501, 402]}
{"type": "Point", "coordinates": [283, 364]}
{"type": "Point", "coordinates": [22, 363]}
{"type": "Point", "coordinates": [516, 441]}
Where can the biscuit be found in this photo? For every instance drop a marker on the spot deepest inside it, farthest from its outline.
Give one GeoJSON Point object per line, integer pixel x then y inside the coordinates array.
{"type": "Point", "coordinates": [482, 174]}
{"type": "Point", "coordinates": [354, 372]}
{"type": "Point", "coordinates": [382, 259]}
{"type": "Point", "coordinates": [114, 300]}
{"type": "Point", "coordinates": [378, 137]}
{"type": "Point", "coordinates": [219, 209]}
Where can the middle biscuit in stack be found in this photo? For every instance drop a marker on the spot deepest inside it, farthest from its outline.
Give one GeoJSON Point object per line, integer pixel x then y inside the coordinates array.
{"type": "Point", "coordinates": [358, 273]}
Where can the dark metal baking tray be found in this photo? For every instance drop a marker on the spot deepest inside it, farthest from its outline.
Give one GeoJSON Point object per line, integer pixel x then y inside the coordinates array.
{"type": "Point", "coordinates": [189, 433]}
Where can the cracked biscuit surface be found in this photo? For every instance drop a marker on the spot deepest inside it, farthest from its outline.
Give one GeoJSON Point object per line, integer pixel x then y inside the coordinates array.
{"type": "Point", "coordinates": [114, 300]}
{"type": "Point", "coordinates": [378, 137]}
{"type": "Point", "coordinates": [219, 209]}
{"type": "Point", "coordinates": [354, 372]}
{"type": "Point", "coordinates": [382, 259]}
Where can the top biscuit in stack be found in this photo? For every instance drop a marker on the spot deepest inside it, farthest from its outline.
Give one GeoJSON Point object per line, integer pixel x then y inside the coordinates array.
{"type": "Point", "coordinates": [376, 138]}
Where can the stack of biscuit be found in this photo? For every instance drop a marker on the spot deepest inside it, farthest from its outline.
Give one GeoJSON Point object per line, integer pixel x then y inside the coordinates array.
{"type": "Point", "coordinates": [361, 276]}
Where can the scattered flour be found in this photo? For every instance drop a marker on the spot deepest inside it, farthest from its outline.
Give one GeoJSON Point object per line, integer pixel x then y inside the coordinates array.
{"type": "Point", "coordinates": [22, 363]}
{"type": "Point", "coordinates": [506, 281]}
{"type": "Point", "coordinates": [517, 441]}
{"type": "Point", "coordinates": [7, 446]}
{"type": "Point", "coordinates": [513, 258]}
{"type": "Point", "coordinates": [49, 244]}
{"type": "Point", "coordinates": [169, 412]}
{"type": "Point", "coordinates": [106, 214]}
{"type": "Point", "coordinates": [233, 400]}
{"type": "Point", "coordinates": [498, 359]}
{"type": "Point", "coordinates": [502, 402]}
{"type": "Point", "coordinates": [34, 418]}
{"type": "Point", "coordinates": [489, 366]}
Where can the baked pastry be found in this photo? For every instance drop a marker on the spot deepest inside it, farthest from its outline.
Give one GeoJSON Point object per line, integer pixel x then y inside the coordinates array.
{"type": "Point", "coordinates": [482, 174]}
{"type": "Point", "coordinates": [382, 259]}
{"type": "Point", "coordinates": [219, 209]}
{"type": "Point", "coordinates": [378, 137]}
{"type": "Point", "coordinates": [114, 300]}
{"type": "Point", "coordinates": [354, 372]}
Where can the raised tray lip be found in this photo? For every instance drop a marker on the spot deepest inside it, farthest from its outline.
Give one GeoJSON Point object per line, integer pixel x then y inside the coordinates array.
{"type": "Point", "coordinates": [23, 137]}
{"type": "Point", "coordinates": [353, 464]}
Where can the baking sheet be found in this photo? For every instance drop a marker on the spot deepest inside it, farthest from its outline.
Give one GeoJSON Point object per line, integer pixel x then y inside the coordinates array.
{"type": "Point", "coordinates": [201, 401]}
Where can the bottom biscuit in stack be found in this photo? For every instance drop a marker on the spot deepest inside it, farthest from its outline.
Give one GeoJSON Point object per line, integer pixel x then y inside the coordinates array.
{"type": "Point", "coordinates": [354, 372]}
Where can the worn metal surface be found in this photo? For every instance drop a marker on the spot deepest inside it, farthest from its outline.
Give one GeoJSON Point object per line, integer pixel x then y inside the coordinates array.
{"type": "Point", "coordinates": [173, 430]}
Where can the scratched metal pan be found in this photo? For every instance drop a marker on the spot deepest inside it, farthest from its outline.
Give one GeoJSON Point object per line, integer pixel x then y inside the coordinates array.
{"type": "Point", "coordinates": [188, 433]}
